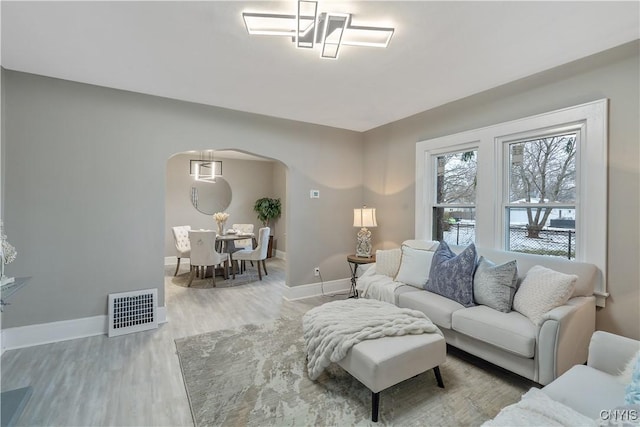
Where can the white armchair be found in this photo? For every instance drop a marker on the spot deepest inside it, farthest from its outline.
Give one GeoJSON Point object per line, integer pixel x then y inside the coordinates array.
{"type": "Point", "coordinates": [258, 254]}
{"type": "Point", "coordinates": [183, 247]}
{"type": "Point", "coordinates": [597, 386]}
{"type": "Point", "coordinates": [592, 394]}
{"type": "Point", "coordinates": [203, 254]}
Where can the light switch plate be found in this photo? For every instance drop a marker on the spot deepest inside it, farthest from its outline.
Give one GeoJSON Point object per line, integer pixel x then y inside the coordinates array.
{"type": "Point", "coordinates": [314, 194]}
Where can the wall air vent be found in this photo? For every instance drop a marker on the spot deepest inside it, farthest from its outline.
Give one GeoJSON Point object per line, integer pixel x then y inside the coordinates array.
{"type": "Point", "coordinates": [132, 311]}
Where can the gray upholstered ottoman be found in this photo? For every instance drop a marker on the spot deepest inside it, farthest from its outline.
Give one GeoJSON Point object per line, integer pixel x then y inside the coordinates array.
{"type": "Point", "coordinates": [383, 362]}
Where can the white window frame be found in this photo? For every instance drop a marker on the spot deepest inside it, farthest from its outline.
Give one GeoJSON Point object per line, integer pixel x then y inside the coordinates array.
{"type": "Point", "coordinates": [591, 121]}
{"type": "Point", "coordinates": [427, 167]}
{"type": "Point", "coordinates": [503, 177]}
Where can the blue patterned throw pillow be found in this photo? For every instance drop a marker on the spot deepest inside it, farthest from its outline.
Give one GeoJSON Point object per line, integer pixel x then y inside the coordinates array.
{"type": "Point", "coordinates": [451, 275]}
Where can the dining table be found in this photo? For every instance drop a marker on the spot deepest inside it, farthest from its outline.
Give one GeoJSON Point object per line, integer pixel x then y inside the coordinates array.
{"type": "Point", "coordinates": [225, 244]}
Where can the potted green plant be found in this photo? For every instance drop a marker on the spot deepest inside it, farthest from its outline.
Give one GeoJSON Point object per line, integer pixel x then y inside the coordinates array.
{"type": "Point", "coordinates": [268, 209]}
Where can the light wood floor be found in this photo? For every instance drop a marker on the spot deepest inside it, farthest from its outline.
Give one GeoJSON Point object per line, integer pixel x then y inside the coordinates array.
{"type": "Point", "coordinates": [135, 380]}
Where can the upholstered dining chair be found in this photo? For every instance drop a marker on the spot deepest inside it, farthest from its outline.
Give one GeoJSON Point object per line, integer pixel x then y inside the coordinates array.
{"type": "Point", "coordinates": [243, 243]}
{"type": "Point", "coordinates": [258, 254]}
{"type": "Point", "coordinates": [203, 255]}
{"type": "Point", "coordinates": [181, 238]}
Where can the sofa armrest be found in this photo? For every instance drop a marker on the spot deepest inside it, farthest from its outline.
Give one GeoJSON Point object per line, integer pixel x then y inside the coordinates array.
{"type": "Point", "coordinates": [610, 353]}
{"type": "Point", "coordinates": [563, 337]}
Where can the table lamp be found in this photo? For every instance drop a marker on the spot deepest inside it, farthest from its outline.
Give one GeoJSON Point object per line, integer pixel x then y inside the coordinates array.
{"type": "Point", "coordinates": [364, 217]}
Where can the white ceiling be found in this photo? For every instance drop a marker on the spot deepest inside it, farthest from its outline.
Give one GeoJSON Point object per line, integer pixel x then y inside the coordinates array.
{"type": "Point", "coordinates": [201, 52]}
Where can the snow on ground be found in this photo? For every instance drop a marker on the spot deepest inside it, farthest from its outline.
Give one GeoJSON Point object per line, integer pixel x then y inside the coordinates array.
{"type": "Point", "coordinates": [552, 241]}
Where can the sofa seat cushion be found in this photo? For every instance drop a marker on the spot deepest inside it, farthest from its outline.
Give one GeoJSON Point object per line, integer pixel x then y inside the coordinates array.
{"type": "Point", "coordinates": [587, 390]}
{"type": "Point", "coordinates": [511, 331]}
{"type": "Point", "coordinates": [437, 308]}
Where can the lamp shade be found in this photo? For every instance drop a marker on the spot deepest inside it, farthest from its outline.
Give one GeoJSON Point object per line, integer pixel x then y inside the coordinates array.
{"type": "Point", "coordinates": [364, 217]}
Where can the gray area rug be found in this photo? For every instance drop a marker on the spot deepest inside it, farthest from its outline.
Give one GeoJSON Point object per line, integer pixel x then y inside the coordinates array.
{"type": "Point", "coordinates": [206, 283]}
{"type": "Point", "coordinates": [256, 375]}
{"type": "Point", "coordinates": [250, 275]}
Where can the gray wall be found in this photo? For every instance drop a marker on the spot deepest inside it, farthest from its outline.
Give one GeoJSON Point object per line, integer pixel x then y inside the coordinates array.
{"type": "Point", "coordinates": [85, 177]}
{"type": "Point", "coordinates": [249, 180]}
{"type": "Point", "coordinates": [389, 170]}
{"type": "Point", "coordinates": [88, 217]}
{"type": "Point", "coordinates": [2, 138]}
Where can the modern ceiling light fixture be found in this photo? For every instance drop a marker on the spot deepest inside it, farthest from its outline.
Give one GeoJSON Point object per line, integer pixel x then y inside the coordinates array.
{"type": "Point", "coordinates": [308, 28]}
{"type": "Point", "coordinates": [205, 169]}
{"type": "Point", "coordinates": [333, 30]}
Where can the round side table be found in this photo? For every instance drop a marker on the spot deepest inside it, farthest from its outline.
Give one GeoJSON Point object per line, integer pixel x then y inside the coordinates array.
{"type": "Point", "coordinates": [354, 261]}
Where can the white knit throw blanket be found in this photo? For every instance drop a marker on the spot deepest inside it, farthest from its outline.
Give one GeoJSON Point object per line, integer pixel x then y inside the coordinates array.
{"type": "Point", "coordinates": [331, 329]}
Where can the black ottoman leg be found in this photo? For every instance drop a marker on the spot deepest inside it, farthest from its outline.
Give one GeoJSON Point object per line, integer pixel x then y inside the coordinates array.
{"type": "Point", "coordinates": [436, 370]}
{"type": "Point", "coordinates": [375, 404]}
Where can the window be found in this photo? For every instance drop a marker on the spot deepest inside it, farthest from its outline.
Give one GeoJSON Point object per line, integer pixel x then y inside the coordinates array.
{"type": "Point", "coordinates": [540, 181]}
{"type": "Point", "coordinates": [540, 210]}
{"type": "Point", "coordinates": [455, 197]}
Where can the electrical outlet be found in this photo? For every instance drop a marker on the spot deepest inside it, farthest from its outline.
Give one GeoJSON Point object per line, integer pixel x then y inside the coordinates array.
{"type": "Point", "coordinates": [316, 271]}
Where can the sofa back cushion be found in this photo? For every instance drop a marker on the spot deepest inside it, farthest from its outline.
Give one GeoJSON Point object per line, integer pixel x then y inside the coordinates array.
{"type": "Point", "coordinates": [425, 245]}
{"type": "Point", "coordinates": [451, 275]}
{"type": "Point", "coordinates": [588, 274]}
{"type": "Point", "coordinates": [388, 261]}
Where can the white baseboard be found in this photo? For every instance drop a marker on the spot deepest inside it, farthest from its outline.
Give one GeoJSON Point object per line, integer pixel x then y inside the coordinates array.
{"type": "Point", "coordinates": [281, 255]}
{"type": "Point", "coordinates": [316, 289]}
{"type": "Point", "coordinates": [46, 333]}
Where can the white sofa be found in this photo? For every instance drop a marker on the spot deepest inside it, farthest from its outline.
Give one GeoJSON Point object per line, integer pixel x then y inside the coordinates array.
{"type": "Point", "coordinates": [591, 394]}
{"type": "Point", "coordinates": [510, 340]}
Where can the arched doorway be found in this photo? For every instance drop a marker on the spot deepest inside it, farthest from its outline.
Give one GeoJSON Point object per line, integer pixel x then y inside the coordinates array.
{"type": "Point", "coordinates": [247, 177]}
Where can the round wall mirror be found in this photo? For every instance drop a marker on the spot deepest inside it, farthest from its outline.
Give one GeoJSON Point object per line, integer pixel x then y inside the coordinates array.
{"type": "Point", "coordinates": [211, 197]}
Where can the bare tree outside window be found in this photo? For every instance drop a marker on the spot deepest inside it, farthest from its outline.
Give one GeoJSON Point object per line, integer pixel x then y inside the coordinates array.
{"type": "Point", "coordinates": [540, 210]}
{"type": "Point", "coordinates": [543, 172]}
{"type": "Point", "coordinates": [455, 191]}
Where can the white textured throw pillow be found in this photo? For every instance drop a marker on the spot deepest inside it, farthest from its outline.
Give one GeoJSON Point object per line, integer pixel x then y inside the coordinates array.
{"type": "Point", "coordinates": [388, 261]}
{"type": "Point", "coordinates": [414, 267]}
{"type": "Point", "coordinates": [542, 290]}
